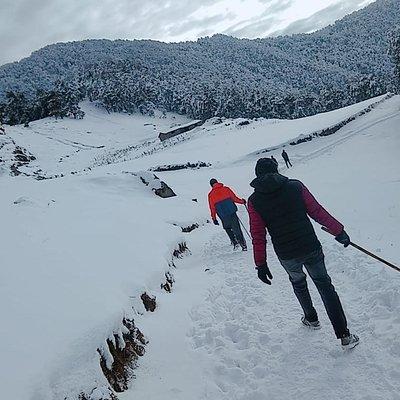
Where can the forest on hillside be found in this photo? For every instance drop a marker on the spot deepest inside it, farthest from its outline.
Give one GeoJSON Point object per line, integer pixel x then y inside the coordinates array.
{"type": "Point", "coordinates": [283, 77]}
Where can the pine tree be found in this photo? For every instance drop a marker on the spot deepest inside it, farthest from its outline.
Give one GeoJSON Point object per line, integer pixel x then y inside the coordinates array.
{"type": "Point", "coordinates": [394, 52]}
{"type": "Point", "coordinates": [16, 109]}
{"type": "Point", "coordinates": [69, 96]}
{"type": "Point", "coordinates": [2, 116]}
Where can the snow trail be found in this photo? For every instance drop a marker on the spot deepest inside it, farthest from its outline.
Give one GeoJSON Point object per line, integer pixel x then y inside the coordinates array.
{"type": "Point", "coordinates": [246, 341]}
{"type": "Point", "coordinates": [259, 348]}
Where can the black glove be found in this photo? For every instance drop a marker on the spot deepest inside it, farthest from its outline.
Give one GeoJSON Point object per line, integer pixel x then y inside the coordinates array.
{"type": "Point", "coordinates": [343, 238]}
{"type": "Point", "coordinates": [215, 222]}
{"type": "Point", "coordinates": [264, 273]}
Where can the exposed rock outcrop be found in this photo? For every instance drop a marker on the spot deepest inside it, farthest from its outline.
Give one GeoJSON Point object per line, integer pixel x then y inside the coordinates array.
{"type": "Point", "coordinates": [21, 158]}
{"type": "Point", "coordinates": [189, 228]}
{"type": "Point", "coordinates": [176, 167]}
{"type": "Point", "coordinates": [180, 250]}
{"type": "Point", "coordinates": [119, 355]}
{"type": "Point", "coordinates": [159, 187]}
{"type": "Point", "coordinates": [169, 282]}
{"type": "Point", "coordinates": [149, 302]}
{"type": "Point", "coordinates": [124, 351]}
{"type": "Point", "coordinates": [101, 393]}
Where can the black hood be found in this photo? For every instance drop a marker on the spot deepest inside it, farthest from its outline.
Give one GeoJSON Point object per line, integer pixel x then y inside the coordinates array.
{"type": "Point", "coordinates": [269, 183]}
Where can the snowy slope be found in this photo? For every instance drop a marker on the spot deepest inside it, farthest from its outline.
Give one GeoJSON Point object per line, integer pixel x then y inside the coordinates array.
{"type": "Point", "coordinates": [229, 141]}
{"type": "Point", "coordinates": [244, 341]}
{"type": "Point", "coordinates": [78, 252]}
{"type": "Point", "coordinates": [65, 145]}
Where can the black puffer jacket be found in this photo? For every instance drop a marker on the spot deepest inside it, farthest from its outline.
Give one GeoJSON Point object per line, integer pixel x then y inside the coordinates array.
{"type": "Point", "coordinates": [279, 201]}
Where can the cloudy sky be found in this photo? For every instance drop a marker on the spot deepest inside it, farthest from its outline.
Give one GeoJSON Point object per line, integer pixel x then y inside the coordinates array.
{"type": "Point", "coordinates": [27, 25]}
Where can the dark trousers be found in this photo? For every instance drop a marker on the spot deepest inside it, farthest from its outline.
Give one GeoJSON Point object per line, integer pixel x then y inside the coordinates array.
{"type": "Point", "coordinates": [231, 225]}
{"type": "Point", "coordinates": [288, 163]}
{"type": "Point", "coordinates": [315, 266]}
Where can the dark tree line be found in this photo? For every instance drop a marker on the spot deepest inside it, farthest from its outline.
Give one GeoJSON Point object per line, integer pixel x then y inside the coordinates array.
{"type": "Point", "coordinates": [62, 101]}
{"type": "Point", "coordinates": [120, 87]}
{"type": "Point", "coordinates": [394, 51]}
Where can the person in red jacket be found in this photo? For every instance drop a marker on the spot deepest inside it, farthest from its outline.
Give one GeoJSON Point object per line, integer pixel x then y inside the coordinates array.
{"type": "Point", "coordinates": [221, 200]}
{"type": "Point", "coordinates": [283, 207]}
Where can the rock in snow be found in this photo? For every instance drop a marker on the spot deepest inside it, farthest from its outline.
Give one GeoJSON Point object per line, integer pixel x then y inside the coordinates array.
{"type": "Point", "coordinates": [159, 187]}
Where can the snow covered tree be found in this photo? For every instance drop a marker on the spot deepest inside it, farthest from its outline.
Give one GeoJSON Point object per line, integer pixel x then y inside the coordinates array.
{"type": "Point", "coordinates": [2, 116]}
{"type": "Point", "coordinates": [147, 108]}
{"type": "Point", "coordinates": [394, 51]}
{"type": "Point", "coordinates": [70, 96]}
{"type": "Point", "coordinates": [59, 103]}
{"type": "Point", "coordinates": [366, 87]}
{"type": "Point", "coordinates": [281, 77]}
{"type": "Point", "coordinates": [16, 110]}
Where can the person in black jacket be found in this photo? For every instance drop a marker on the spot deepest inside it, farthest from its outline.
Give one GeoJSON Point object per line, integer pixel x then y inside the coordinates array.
{"type": "Point", "coordinates": [285, 156]}
{"type": "Point", "coordinates": [284, 206]}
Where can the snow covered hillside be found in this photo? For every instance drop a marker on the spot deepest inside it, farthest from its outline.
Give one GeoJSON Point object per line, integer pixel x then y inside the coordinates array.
{"type": "Point", "coordinates": [83, 239]}
{"type": "Point", "coordinates": [281, 77]}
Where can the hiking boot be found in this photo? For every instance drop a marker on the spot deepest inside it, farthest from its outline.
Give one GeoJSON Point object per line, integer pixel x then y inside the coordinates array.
{"type": "Point", "coordinates": [236, 246]}
{"type": "Point", "coordinates": [349, 342]}
{"type": "Point", "coordinates": [244, 247]}
{"type": "Point", "coordinates": [315, 325]}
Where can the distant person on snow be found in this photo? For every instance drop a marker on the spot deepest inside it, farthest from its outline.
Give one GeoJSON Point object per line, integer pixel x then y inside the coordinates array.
{"type": "Point", "coordinates": [274, 160]}
{"type": "Point", "coordinates": [283, 207]}
{"type": "Point", "coordinates": [285, 156]}
{"type": "Point", "coordinates": [221, 200]}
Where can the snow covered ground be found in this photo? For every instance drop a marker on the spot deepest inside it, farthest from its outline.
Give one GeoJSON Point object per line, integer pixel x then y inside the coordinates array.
{"type": "Point", "coordinates": [78, 251]}
{"type": "Point", "coordinates": [63, 146]}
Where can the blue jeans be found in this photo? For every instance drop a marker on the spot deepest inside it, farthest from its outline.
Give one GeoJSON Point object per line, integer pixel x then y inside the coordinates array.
{"type": "Point", "coordinates": [315, 266]}
{"type": "Point", "coordinates": [231, 225]}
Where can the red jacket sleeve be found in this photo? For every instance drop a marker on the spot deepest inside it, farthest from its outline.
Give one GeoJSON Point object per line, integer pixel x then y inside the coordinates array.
{"type": "Point", "coordinates": [258, 233]}
{"type": "Point", "coordinates": [319, 214]}
{"type": "Point", "coordinates": [234, 198]}
{"type": "Point", "coordinates": [211, 204]}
